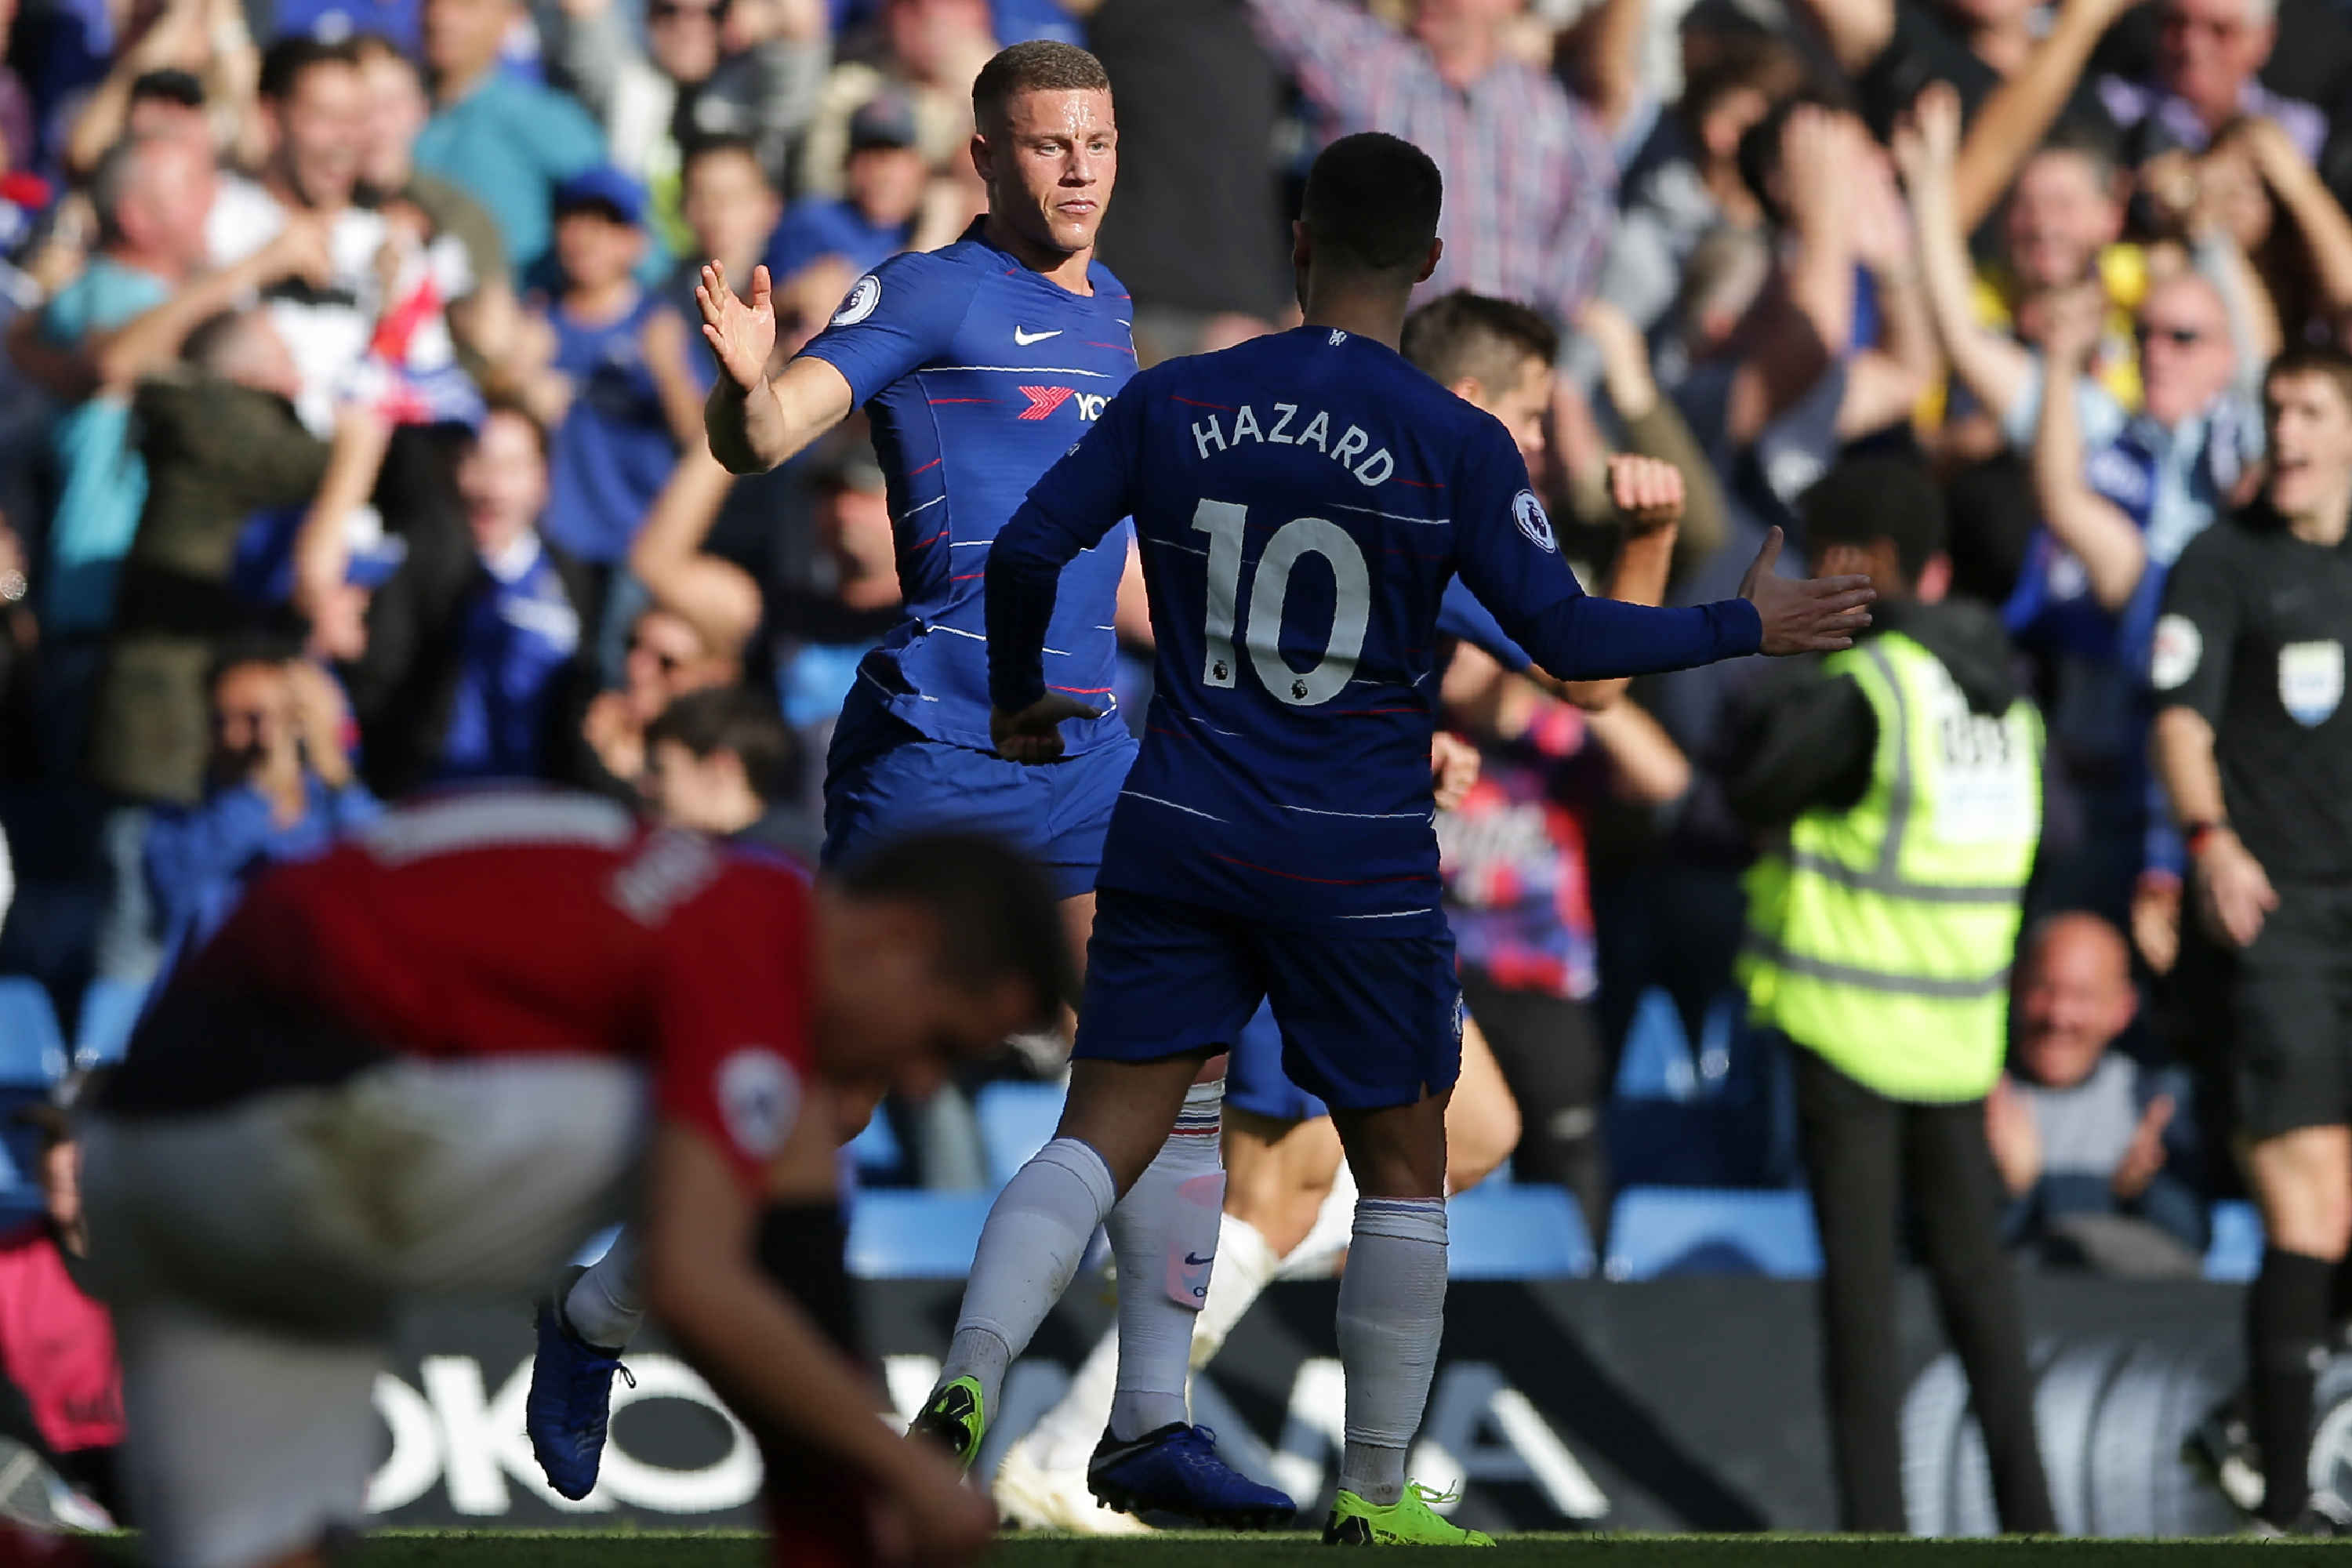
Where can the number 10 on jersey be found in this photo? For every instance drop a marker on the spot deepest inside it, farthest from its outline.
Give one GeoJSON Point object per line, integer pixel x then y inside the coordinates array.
{"type": "Point", "coordinates": [1226, 523]}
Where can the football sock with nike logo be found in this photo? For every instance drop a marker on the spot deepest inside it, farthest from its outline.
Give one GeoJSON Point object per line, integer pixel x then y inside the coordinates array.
{"type": "Point", "coordinates": [1067, 1434]}
{"type": "Point", "coordinates": [1164, 1235]}
{"type": "Point", "coordinates": [1392, 1314]}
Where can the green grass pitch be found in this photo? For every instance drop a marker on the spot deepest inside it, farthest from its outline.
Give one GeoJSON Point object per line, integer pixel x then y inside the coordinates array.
{"type": "Point", "coordinates": [623, 1549]}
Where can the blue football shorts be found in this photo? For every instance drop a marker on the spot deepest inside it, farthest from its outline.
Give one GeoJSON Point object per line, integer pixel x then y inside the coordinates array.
{"type": "Point", "coordinates": [1254, 1080]}
{"type": "Point", "coordinates": [1055, 812]}
{"type": "Point", "coordinates": [1365, 1022]}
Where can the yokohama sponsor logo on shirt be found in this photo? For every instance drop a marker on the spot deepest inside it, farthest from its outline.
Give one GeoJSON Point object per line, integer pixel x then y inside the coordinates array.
{"type": "Point", "coordinates": [1044, 400]}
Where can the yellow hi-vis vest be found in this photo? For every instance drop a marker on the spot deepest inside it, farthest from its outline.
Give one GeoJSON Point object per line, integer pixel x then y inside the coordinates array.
{"type": "Point", "coordinates": [1880, 936]}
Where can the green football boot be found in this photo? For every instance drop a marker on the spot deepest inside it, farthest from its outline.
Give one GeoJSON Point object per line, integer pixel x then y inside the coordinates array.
{"type": "Point", "coordinates": [1408, 1521]}
{"type": "Point", "coordinates": [955, 1419]}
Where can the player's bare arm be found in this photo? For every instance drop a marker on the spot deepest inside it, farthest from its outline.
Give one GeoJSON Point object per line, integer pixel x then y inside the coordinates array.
{"type": "Point", "coordinates": [756, 421]}
{"type": "Point", "coordinates": [771, 1360]}
{"type": "Point", "coordinates": [1818, 615]}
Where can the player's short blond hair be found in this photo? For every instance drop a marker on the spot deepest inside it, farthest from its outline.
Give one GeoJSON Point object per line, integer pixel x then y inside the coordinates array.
{"type": "Point", "coordinates": [1040, 65]}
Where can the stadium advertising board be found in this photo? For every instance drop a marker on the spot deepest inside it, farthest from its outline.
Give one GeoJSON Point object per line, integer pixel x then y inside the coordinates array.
{"type": "Point", "coordinates": [1669, 1404]}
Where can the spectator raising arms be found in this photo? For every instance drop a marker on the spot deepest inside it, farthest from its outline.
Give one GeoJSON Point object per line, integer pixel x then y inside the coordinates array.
{"type": "Point", "coordinates": [279, 787]}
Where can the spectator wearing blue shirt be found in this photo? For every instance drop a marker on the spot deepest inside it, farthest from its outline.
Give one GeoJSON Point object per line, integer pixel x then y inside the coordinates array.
{"type": "Point", "coordinates": [883, 181]}
{"type": "Point", "coordinates": [280, 788]}
{"type": "Point", "coordinates": [506, 142]}
{"type": "Point", "coordinates": [516, 681]}
{"type": "Point", "coordinates": [619, 392]}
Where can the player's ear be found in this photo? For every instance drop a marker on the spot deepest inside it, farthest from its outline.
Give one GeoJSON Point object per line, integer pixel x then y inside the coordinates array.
{"type": "Point", "coordinates": [983, 159]}
{"type": "Point", "coordinates": [1469, 389]}
{"type": "Point", "coordinates": [1301, 250]}
{"type": "Point", "coordinates": [1436, 249]}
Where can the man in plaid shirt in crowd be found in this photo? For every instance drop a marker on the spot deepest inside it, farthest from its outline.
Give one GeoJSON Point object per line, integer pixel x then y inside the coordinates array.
{"type": "Point", "coordinates": [1530, 183]}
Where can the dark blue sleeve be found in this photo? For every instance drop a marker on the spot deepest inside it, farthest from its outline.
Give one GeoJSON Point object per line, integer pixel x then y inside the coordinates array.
{"type": "Point", "coordinates": [1461, 615]}
{"type": "Point", "coordinates": [1081, 499]}
{"type": "Point", "coordinates": [1508, 555]}
{"type": "Point", "coordinates": [897, 318]}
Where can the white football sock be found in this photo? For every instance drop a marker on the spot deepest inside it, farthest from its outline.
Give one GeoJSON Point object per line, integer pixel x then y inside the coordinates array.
{"type": "Point", "coordinates": [606, 1305]}
{"type": "Point", "coordinates": [1318, 1257]}
{"type": "Point", "coordinates": [1391, 1312]}
{"type": "Point", "coordinates": [1164, 1235]}
{"type": "Point", "coordinates": [1036, 1236]}
{"type": "Point", "coordinates": [1244, 1266]}
{"type": "Point", "coordinates": [1065, 1439]}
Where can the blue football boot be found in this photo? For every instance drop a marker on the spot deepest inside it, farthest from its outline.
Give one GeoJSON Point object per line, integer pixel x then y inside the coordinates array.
{"type": "Point", "coordinates": [571, 1400]}
{"type": "Point", "coordinates": [1176, 1470]}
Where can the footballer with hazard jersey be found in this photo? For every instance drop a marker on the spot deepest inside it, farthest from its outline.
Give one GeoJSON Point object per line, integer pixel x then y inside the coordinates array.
{"type": "Point", "coordinates": [1300, 503]}
{"type": "Point", "coordinates": [432, 1060]}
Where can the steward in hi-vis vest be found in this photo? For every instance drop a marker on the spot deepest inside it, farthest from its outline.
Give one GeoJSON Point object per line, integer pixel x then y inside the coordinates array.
{"type": "Point", "coordinates": [1895, 791]}
{"type": "Point", "coordinates": [1879, 934]}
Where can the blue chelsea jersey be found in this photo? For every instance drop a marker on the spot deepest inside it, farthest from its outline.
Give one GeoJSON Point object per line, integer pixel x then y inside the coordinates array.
{"type": "Point", "coordinates": [1302, 501]}
{"type": "Point", "coordinates": [977, 374]}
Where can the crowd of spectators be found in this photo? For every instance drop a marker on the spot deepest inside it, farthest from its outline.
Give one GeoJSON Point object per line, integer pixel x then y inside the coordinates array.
{"type": "Point", "coordinates": [350, 432]}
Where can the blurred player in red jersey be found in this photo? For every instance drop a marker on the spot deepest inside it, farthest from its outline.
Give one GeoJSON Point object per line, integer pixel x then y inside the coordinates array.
{"type": "Point", "coordinates": [424, 1063]}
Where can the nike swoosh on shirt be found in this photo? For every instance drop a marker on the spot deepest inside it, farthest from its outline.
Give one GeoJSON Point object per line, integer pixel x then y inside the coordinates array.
{"type": "Point", "coordinates": [1024, 337]}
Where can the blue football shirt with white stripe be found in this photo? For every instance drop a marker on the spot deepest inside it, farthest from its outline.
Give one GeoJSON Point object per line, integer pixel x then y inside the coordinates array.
{"type": "Point", "coordinates": [977, 374]}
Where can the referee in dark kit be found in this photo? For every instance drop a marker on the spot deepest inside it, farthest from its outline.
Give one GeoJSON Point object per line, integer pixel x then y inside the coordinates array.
{"type": "Point", "coordinates": [2253, 744]}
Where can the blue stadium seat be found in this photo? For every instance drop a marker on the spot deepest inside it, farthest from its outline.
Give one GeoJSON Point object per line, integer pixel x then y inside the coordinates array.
{"type": "Point", "coordinates": [1531, 1232]}
{"type": "Point", "coordinates": [1659, 1231]}
{"type": "Point", "coordinates": [110, 1009]}
{"type": "Point", "coordinates": [2235, 1251]}
{"type": "Point", "coordinates": [1016, 1119]}
{"type": "Point", "coordinates": [1656, 1062]}
{"type": "Point", "coordinates": [897, 1234]}
{"type": "Point", "coordinates": [20, 1192]}
{"type": "Point", "coordinates": [876, 1149]}
{"type": "Point", "coordinates": [32, 1046]}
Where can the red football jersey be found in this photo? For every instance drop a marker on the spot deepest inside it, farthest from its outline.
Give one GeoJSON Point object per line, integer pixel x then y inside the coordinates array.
{"type": "Point", "coordinates": [527, 922]}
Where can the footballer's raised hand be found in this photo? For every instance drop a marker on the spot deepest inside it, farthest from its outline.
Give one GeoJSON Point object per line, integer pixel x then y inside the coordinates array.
{"type": "Point", "coordinates": [1818, 615]}
{"type": "Point", "coordinates": [741, 334]}
{"type": "Point", "coordinates": [1646, 492]}
{"type": "Point", "coordinates": [1035, 735]}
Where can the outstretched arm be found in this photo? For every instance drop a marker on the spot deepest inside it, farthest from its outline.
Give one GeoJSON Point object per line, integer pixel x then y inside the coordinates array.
{"type": "Point", "coordinates": [755, 421]}
{"type": "Point", "coordinates": [1583, 638]}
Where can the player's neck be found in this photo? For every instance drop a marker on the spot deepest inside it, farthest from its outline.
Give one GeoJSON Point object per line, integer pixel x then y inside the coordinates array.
{"type": "Point", "coordinates": [1067, 268]}
{"type": "Point", "coordinates": [1377, 313]}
